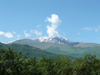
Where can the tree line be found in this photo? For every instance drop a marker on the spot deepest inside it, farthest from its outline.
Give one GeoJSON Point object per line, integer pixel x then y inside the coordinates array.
{"type": "Point", "coordinates": [14, 63]}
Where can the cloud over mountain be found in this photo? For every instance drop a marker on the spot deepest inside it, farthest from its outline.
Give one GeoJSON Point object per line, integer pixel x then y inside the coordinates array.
{"type": "Point", "coordinates": [36, 32]}
{"type": "Point", "coordinates": [55, 21]}
{"type": "Point", "coordinates": [26, 34]}
{"type": "Point", "coordinates": [6, 34]}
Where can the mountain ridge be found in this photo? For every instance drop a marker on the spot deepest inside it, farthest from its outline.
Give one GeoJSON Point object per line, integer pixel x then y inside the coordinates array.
{"type": "Point", "coordinates": [55, 40]}
{"type": "Point", "coordinates": [74, 50]}
{"type": "Point", "coordinates": [58, 40]}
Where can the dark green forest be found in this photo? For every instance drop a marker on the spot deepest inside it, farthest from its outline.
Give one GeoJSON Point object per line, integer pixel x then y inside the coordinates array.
{"type": "Point", "coordinates": [14, 63]}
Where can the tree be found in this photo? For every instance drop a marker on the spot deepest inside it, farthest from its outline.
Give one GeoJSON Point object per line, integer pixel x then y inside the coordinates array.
{"type": "Point", "coordinates": [62, 65]}
{"type": "Point", "coordinates": [46, 66]}
{"type": "Point", "coordinates": [11, 62]}
{"type": "Point", "coordinates": [85, 65]}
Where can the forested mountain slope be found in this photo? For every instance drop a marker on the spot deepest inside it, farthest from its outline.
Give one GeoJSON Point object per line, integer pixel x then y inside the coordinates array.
{"type": "Point", "coordinates": [33, 51]}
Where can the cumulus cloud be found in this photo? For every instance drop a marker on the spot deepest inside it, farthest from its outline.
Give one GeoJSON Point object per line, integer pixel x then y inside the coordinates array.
{"type": "Point", "coordinates": [38, 26]}
{"type": "Point", "coordinates": [36, 32]}
{"type": "Point", "coordinates": [26, 34]}
{"type": "Point", "coordinates": [55, 21]}
{"type": "Point", "coordinates": [87, 28]}
{"type": "Point", "coordinates": [6, 34]}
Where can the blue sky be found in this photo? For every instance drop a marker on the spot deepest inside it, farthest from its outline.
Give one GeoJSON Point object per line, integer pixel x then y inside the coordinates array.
{"type": "Point", "coordinates": [76, 20]}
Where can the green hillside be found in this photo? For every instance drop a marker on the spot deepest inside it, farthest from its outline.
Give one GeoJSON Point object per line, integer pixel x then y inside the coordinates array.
{"type": "Point", "coordinates": [73, 51]}
{"type": "Point", "coordinates": [77, 51]}
{"type": "Point", "coordinates": [84, 45]}
{"type": "Point", "coordinates": [33, 51]}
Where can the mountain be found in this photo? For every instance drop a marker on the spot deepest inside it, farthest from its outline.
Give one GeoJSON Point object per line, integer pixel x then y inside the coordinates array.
{"type": "Point", "coordinates": [55, 40]}
{"type": "Point", "coordinates": [84, 45]}
{"type": "Point", "coordinates": [33, 51]}
{"type": "Point", "coordinates": [62, 46]}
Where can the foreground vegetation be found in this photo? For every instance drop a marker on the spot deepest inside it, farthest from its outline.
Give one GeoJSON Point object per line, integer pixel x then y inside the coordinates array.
{"type": "Point", "coordinates": [14, 63]}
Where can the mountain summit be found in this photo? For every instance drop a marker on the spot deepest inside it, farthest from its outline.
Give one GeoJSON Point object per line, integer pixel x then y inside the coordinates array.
{"type": "Point", "coordinates": [54, 40]}
{"type": "Point", "coordinates": [51, 40]}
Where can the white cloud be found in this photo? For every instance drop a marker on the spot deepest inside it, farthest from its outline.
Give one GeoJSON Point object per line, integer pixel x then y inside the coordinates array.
{"type": "Point", "coordinates": [87, 28]}
{"type": "Point", "coordinates": [96, 29]}
{"type": "Point", "coordinates": [36, 32]}
{"type": "Point", "coordinates": [38, 26]}
{"type": "Point", "coordinates": [6, 34]}
{"type": "Point", "coordinates": [18, 36]}
{"type": "Point", "coordinates": [14, 32]}
{"type": "Point", "coordinates": [2, 33]}
{"type": "Point", "coordinates": [51, 30]}
{"type": "Point", "coordinates": [54, 19]}
{"type": "Point", "coordinates": [26, 34]}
